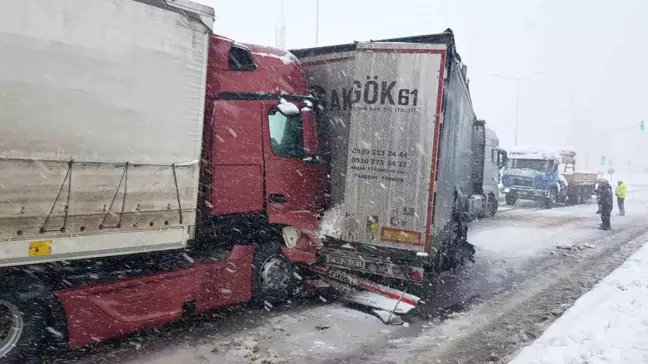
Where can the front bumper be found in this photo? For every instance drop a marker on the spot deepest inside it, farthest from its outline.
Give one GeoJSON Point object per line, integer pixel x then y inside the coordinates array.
{"type": "Point", "coordinates": [350, 259]}
{"type": "Point", "coordinates": [526, 193]}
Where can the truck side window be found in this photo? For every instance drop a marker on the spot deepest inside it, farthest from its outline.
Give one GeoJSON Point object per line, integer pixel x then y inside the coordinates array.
{"type": "Point", "coordinates": [286, 135]}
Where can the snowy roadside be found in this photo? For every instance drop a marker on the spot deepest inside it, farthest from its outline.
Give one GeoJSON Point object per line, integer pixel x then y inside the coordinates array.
{"type": "Point", "coordinates": [607, 324]}
{"type": "Point", "coordinates": [489, 332]}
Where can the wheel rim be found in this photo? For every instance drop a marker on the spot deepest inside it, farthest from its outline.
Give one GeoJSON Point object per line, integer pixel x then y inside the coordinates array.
{"type": "Point", "coordinates": [275, 274]}
{"type": "Point", "coordinates": [11, 327]}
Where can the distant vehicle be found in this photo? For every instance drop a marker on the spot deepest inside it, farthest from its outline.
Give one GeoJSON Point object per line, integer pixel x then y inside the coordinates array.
{"type": "Point", "coordinates": [495, 159]}
{"type": "Point", "coordinates": [582, 184]}
{"type": "Point", "coordinates": [542, 174]}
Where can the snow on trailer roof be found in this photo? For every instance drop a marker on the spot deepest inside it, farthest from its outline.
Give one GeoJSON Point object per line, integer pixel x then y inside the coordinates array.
{"type": "Point", "coordinates": [187, 8]}
{"type": "Point", "coordinates": [447, 37]}
{"type": "Point", "coordinates": [523, 152]}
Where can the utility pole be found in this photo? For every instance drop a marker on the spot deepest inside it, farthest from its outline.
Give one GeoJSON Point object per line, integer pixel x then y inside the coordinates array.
{"type": "Point", "coordinates": [317, 7]}
{"type": "Point", "coordinates": [280, 28]}
{"type": "Point", "coordinates": [517, 97]}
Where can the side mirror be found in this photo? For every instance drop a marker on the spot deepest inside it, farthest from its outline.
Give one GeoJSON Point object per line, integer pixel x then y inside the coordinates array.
{"type": "Point", "coordinates": [503, 158]}
{"type": "Point", "coordinates": [309, 130]}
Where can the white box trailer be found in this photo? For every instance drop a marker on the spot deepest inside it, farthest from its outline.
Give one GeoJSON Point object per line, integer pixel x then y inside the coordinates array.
{"type": "Point", "coordinates": [398, 130]}
{"type": "Point", "coordinates": [385, 163]}
{"type": "Point", "coordinates": [101, 113]}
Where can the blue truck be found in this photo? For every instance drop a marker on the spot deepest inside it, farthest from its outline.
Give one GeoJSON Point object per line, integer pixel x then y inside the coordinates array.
{"type": "Point", "coordinates": [542, 174]}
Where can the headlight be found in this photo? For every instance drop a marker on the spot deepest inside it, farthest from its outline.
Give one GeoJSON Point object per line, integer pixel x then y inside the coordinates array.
{"type": "Point", "coordinates": [290, 235]}
{"type": "Point", "coordinates": [506, 190]}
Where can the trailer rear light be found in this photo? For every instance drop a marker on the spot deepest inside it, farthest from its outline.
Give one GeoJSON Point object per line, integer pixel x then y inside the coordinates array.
{"type": "Point", "coordinates": [415, 275]}
{"type": "Point", "coordinates": [401, 236]}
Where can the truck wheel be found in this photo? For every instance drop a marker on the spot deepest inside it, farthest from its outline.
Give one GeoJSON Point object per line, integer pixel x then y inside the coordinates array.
{"type": "Point", "coordinates": [23, 318]}
{"type": "Point", "coordinates": [581, 196]}
{"type": "Point", "coordinates": [491, 206]}
{"type": "Point", "coordinates": [459, 249]}
{"type": "Point", "coordinates": [551, 200]}
{"type": "Point", "coordinates": [272, 274]}
{"type": "Point", "coordinates": [511, 199]}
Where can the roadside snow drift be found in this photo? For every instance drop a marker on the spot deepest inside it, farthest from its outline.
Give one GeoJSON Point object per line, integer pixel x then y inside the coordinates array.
{"type": "Point", "coordinates": [609, 324]}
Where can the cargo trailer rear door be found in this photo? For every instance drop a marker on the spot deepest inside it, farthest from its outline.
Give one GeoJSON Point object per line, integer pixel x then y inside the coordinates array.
{"type": "Point", "coordinates": [396, 94]}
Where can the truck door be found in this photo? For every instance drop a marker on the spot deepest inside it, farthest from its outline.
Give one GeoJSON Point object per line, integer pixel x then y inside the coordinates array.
{"type": "Point", "coordinates": [292, 183]}
{"type": "Point", "coordinates": [396, 90]}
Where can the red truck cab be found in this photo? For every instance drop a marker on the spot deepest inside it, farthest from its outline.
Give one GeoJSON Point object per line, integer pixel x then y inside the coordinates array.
{"type": "Point", "coordinates": [261, 187]}
{"type": "Point", "coordinates": [261, 140]}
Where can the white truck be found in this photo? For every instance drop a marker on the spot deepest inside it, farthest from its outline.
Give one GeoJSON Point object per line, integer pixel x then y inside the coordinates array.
{"type": "Point", "coordinates": [99, 153]}
{"type": "Point", "coordinates": [495, 159]}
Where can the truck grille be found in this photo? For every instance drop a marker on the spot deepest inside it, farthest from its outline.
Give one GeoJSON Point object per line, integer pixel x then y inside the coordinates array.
{"type": "Point", "coordinates": [522, 182]}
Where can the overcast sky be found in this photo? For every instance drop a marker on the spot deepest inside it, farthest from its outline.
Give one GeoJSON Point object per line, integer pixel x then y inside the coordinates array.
{"type": "Point", "coordinates": [594, 56]}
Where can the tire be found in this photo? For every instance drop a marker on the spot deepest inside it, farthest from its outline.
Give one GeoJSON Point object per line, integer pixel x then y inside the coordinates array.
{"type": "Point", "coordinates": [273, 278]}
{"type": "Point", "coordinates": [460, 250]}
{"type": "Point", "coordinates": [563, 195]}
{"type": "Point", "coordinates": [491, 206]}
{"type": "Point", "coordinates": [23, 319]}
{"type": "Point", "coordinates": [551, 200]}
{"type": "Point", "coordinates": [511, 199]}
{"type": "Point", "coordinates": [573, 198]}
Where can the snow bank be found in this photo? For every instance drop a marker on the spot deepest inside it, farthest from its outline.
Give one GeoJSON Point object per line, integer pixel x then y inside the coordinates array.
{"type": "Point", "coordinates": [608, 324]}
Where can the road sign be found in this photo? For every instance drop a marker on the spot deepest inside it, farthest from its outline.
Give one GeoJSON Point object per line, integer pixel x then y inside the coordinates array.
{"type": "Point", "coordinates": [611, 171]}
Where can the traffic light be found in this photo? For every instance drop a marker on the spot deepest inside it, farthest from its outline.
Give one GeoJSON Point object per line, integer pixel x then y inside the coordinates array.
{"type": "Point", "coordinates": [641, 125]}
{"type": "Point", "coordinates": [602, 159]}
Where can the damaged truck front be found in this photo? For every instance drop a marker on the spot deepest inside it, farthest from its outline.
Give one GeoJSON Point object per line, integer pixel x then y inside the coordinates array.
{"type": "Point", "coordinates": [399, 133]}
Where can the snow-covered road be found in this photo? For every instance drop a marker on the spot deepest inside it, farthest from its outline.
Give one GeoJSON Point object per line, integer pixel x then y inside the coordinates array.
{"type": "Point", "coordinates": [530, 266]}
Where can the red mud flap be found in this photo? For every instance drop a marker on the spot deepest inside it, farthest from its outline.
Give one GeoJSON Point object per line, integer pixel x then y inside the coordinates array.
{"type": "Point", "coordinates": [367, 293]}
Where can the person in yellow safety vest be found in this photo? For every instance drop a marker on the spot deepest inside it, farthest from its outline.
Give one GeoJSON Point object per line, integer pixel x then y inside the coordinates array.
{"type": "Point", "coordinates": [620, 193]}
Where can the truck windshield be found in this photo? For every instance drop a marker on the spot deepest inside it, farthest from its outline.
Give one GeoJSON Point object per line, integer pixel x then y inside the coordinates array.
{"type": "Point", "coordinates": [286, 135]}
{"type": "Point", "coordinates": [535, 164]}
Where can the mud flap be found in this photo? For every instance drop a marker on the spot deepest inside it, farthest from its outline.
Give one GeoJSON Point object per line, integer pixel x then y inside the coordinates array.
{"type": "Point", "coordinates": [464, 250]}
{"type": "Point", "coordinates": [383, 300]}
{"type": "Point", "coordinates": [460, 251]}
